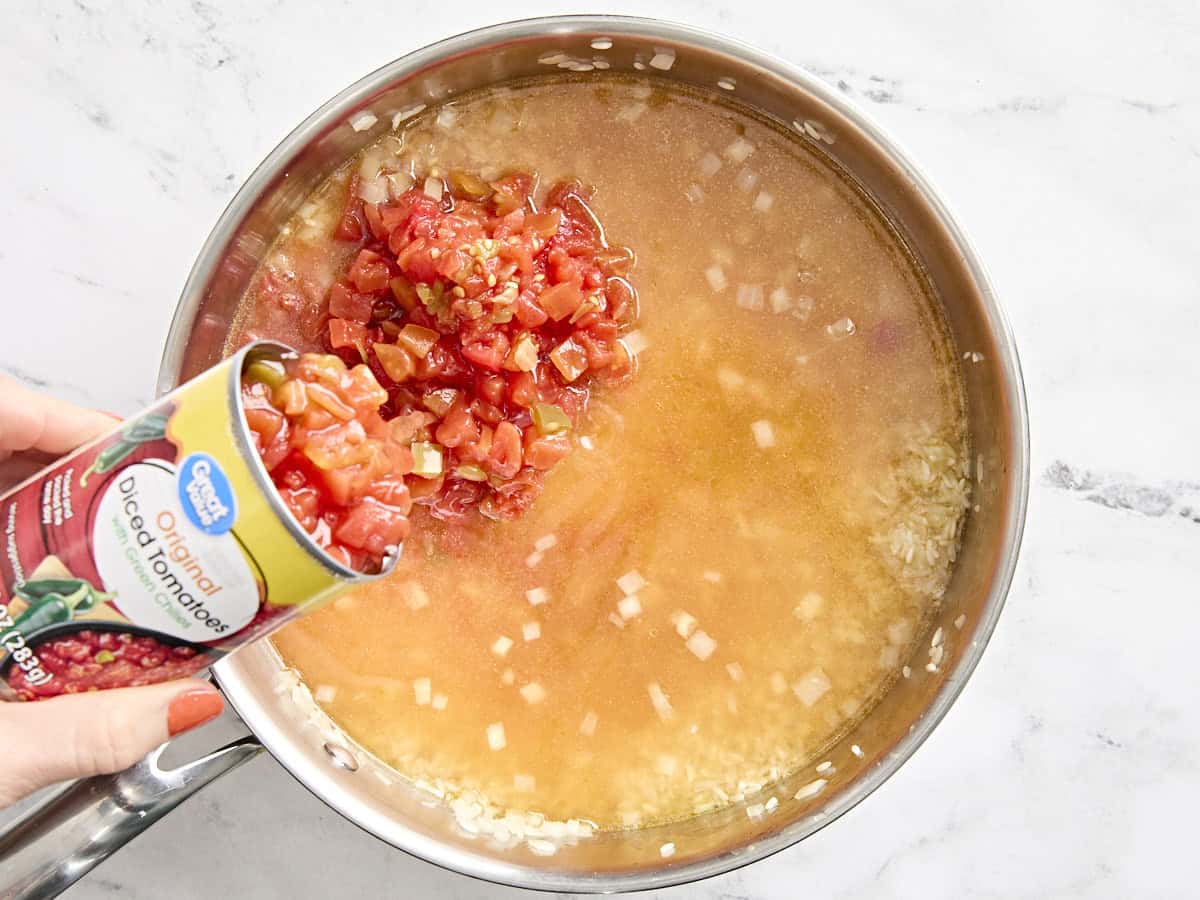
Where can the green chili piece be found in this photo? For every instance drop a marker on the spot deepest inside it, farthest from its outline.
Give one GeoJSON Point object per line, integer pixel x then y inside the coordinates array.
{"type": "Point", "coordinates": [104, 657]}
{"type": "Point", "coordinates": [266, 372]}
{"type": "Point", "coordinates": [550, 419]}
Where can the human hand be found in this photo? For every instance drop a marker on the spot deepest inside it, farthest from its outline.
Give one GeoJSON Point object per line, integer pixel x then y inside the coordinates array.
{"type": "Point", "coordinates": [79, 735]}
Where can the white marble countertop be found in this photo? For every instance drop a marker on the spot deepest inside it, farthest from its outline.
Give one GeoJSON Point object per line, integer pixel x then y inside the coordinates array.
{"type": "Point", "coordinates": [1067, 137]}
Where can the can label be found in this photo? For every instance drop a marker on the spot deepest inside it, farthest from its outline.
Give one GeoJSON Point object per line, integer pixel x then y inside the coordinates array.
{"type": "Point", "coordinates": [151, 552]}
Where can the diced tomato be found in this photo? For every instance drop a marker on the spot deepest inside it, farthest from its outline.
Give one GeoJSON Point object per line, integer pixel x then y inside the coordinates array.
{"type": "Point", "coordinates": [344, 303]}
{"type": "Point", "coordinates": [528, 312]}
{"type": "Point", "coordinates": [369, 272]}
{"type": "Point", "coordinates": [372, 526]}
{"type": "Point", "coordinates": [349, 227]}
{"type": "Point", "coordinates": [458, 427]}
{"type": "Point", "coordinates": [522, 389]}
{"type": "Point", "coordinates": [560, 300]}
{"type": "Point", "coordinates": [344, 333]}
{"type": "Point", "coordinates": [488, 352]}
{"type": "Point", "coordinates": [545, 453]}
{"type": "Point", "coordinates": [505, 455]}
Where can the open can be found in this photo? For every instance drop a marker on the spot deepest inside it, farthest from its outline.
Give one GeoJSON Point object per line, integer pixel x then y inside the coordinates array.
{"type": "Point", "coordinates": [155, 550]}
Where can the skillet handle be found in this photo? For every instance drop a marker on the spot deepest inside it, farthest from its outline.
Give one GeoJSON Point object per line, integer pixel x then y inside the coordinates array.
{"type": "Point", "coordinates": [57, 843]}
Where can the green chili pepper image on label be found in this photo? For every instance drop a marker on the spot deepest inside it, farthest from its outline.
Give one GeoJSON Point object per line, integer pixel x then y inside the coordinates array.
{"type": "Point", "coordinates": [148, 428]}
{"type": "Point", "coordinates": [55, 601]}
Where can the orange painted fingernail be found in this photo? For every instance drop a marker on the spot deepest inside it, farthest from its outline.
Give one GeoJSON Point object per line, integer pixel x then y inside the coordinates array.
{"type": "Point", "coordinates": [193, 708]}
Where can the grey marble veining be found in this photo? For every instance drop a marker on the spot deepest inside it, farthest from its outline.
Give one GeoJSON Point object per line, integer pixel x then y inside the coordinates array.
{"type": "Point", "coordinates": [1066, 137]}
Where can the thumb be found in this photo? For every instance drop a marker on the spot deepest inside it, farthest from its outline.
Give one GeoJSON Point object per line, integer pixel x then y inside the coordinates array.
{"type": "Point", "coordinates": [79, 735]}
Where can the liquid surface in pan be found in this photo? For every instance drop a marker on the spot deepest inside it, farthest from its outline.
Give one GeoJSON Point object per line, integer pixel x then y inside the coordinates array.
{"type": "Point", "coordinates": [739, 554]}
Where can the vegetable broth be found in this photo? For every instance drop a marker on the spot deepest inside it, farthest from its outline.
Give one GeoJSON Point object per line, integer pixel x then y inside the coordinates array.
{"type": "Point", "coordinates": [779, 490]}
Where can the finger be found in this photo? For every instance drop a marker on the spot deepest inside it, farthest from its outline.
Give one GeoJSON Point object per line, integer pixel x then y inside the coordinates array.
{"type": "Point", "coordinates": [33, 421]}
{"type": "Point", "coordinates": [79, 735]}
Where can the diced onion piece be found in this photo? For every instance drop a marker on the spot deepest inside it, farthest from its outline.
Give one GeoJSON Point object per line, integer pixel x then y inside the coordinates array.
{"type": "Point", "coordinates": [629, 607]}
{"type": "Point", "coordinates": [398, 183]}
{"type": "Point", "coordinates": [439, 701]}
{"type": "Point", "coordinates": [778, 683]}
{"type": "Point", "coordinates": [423, 691]}
{"type": "Point", "coordinates": [660, 701]}
{"type": "Point", "coordinates": [470, 472]}
{"type": "Point", "coordinates": [842, 328]}
{"type": "Point", "coordinates": [415, 596]}
{"type": "Point", "coordinates": [811, 789]}
{"type": "Point", "coordinates": [531, 631]}
{"type": "Point", "coordinates": [735, 671]}
{"type": "Point", "coordinates": [739, 151]}
{"type": "Point", "coordinates": [508, 677]}
{"type": "Point", "coordinates": [533, 693]}
{"type": "Point", "coordinates": [526, 784]}
{"type": "Point", "coordinates": [712, 576]}
{"type": "Point", "coordinates": [824, 767]}
{"type": "Point", "coordinates": [755, 810]}
{"type": "Point", "coordinates": [588, 726]}
{"type": "Point", "coordinates": [667, 850]}
{"type": "Point", "coordinates": [406, 113]}
{"type": "Point", "coordinates": [812, 687]}
{"type": "Point", "coordinates": [325, 693]}
{"type": "Point", "coordinates": [810, 606]}
{"type": "Point", "coordinates": [701, 645]}
{"type": "Point", "coordinates": [763, 202]}
{"type": "Point", "coordinates": [523, 356]}
{"type": "Point", "coordinates": [694, 193]}
{"type": "Point", "coordinates": [427, 459]}
{"type": "Point", "coordinates": [764, 434]}
{"type": "Point", "coordinates": [616, 620]}
{"type": "Point", "coordinates": [631, 582]}
{"type": "Point", "coordinates": [631, 113]}
{"type": "Point", "coordinates": [363, 121]}
{"type": "Point", "coordinates": [662, 59]}
{"type": "Point", "coordinates": [446, 117]}
{"type": "Point", "coordinates": [635, 342]}
{"type": "Point", "coordinates": [780, 300]}
{"type": "Point", "coordinates": [570, 359]}
{"type": "Point", "coordinates": [374, 191]}
{"type": "Point", "coordinates": [772, 804]}
{"type": "Point", "coordinates": [716, 278]}
{"type": "Point", "coordinates": [856, 750]}
{"type": "Point", "coordinates": [587, 443]}
{"type": "Point", "coordinates": [434, 188]}
{"type": "Point", "coordinates": [533, 559]}
{"type": "Point", "coordinates": [710, 164]}
{"type": "Point", "coordinates": [502, 645]}
{"type": "Point", "coordinates": [746, 180]}
{"type": "Point", "coordinates": [684, 623]}
{"type": "Point", "coordinates": [537, 596]}
{"type": "Point", "coordinates": [495, 736]}
{"type": "Point", "coordinates": [750, 296]}
{"type": "Point", "coordinates": [545, 542]}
